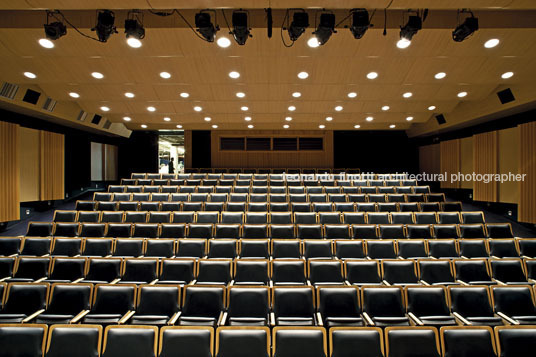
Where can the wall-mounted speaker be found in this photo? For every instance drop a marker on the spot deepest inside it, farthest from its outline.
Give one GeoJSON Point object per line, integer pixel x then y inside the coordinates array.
{"type": "Point", "coordinates": [96, 119]}
{"type": "Point", "coordinates": [440, 119]}
{"type": "Point", "coordinates": [31, 96]}
{"type": "Point", "coordinates": [107, 124]}
{"type": "Point", "coordinates": [506, 96]}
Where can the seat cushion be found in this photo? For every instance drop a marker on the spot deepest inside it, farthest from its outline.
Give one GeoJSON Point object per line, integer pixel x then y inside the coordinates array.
{"type": "Point", "coordinates": [343, 321]}
{"type": "Point", "coordinates": [485, 321]}
{"type": "Point", "coordinates": [438, 320]}
{"type": "Point", "coordinates": [149, 319]}
{"type": "Point", "coordinates": [197, 320]}
{"type": "Point", "coordinates": [391, 321]}
{"type": "Point", "coordinates": [295, 321]}
{"type": "Point", "coordinates": [248, 321]}
{"type": "Point", "coordinates": [525, 320]}
{"type": "Point", "coordinates": [103, 319]}
{"type": "Point", "coordinates": [50, 319]}
{"type": "Point", "coordinates": [11, 318]}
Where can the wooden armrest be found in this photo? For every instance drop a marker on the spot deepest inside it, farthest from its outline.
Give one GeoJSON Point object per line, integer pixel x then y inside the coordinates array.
{"type": "Point", "coordinates": [192, 282]}
{"type": "Point", "coordinates": [232, 283]}
{"type": "Point", "coordinates": [153, 282]}
{"type": "Point", "coordinates": [498, 281]}
{"type": "Point", "coordinates": [319, 319]}
{"type": "Point", "coordinates": [174, 318]}
{"type": "Point", "coordinates": [424, 282]}
{"type": "Point", "coordinates": [223, 318]}
{"type": "Point", "coordinates": [7, 277]}
{"type": "Point", "coordinates": [415, 318]}
{"type": "Point", "coordinates": [462, 319]}
{"type": "Point", "coordinates": [462, 282]}
{"type": "Point", "coordinates": [271, 284]}
{"type": "Point", "coordinates": [77, 280]}
{"type": "Point", "coordinates": [125, 318]}
{"type": "Point", "coordinates": [309, 283]}
{"type": "Point", "coordinates": [346, 282]}
{"type": "Point", "coordinates": [33, 316]}
{"type": "Point", "coordinates": [79, 316]}
{"type": "Point", "coordinates": [272, 319]}
{"type": "Point", "coordinates": [385, 282]}
{"type": "Point", "coordinates": [40, 280]}
{"type": "Point", "coordinates": [115, 281]}
{"type": "Point", "coordinates": [508, 319]}
{"type": "Point", "coordinates": [368, 320]}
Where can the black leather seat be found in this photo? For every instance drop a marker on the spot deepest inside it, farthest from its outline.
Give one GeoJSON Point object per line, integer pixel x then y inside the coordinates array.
{"type": "Point", "coordinates": [503, 248]}
{"type": "Point", "coordinates": [346, 341]}
{"type": "Point", "coordinates": [66, 270]}
{"type": "Point", "coordinates": [437, 272]}
{"type": "Point", "coordinates": [191, 248]}
{"type": "Point", "coordinates": [473, 271]}
{"type": "Point", "coordinates": [22, 340]}
{"type": "Point", "coordinates": [248, 306]}
{"type": "Point", "coordinates": [443, 248]}
{"type": "Point", "coordinates": [222, 248]}
{"type": "Point", "coordinates": [314, 249]}
{"type": "Point", "coordinates": [174, 338]}
{"type": "Point", "coordinates": [429, 305]}
{"type": "Point", "coordinates": [172, 230]}
{"type": "Point", "coordinates": [400, 272]}
{"type": "Point", "coordinates": [28, 269]}
{"type": "Point", "coordinates": [128, 247]}
{"type": "Point", "coordinates": [508, 271]}
{"type": "Point", "coordinates": [66, 247]}
{"type": "Point", "coordinates": [254, 249]}
{"type": "Point", "coordinates": [515, 341]}
{"type": "Point", "coordinates": [98, 247]}
{"type": "Point", "coordinates": [251, 272]}
{"type": "Point", "coordinates": [384, 306]}
{"type": "Point", "coordinates": [177, 271]}
{"type": "Point", "coordinates": [238, 342]}
{"type": "Point", "coordinates": [160, 248]}
{"type": "Point", "coordinates": [110, 304]}
{"type": "Point", "coordinates": [412, 342]}
{"type": "Point", "coordinates": [23, 301]}
{"type": "Point", "coordinates": [39, 229]}
{"type": "Point", "coordinates": [412, 249]}
{"type": "Point", "coordinates": [283, 248]}
{"type": "Point", "coordinates": [139, 271]}
{"type": "Point", "coordinates": [293, 342]}
{"type": "Point", "coordinates": [351, 249]}
{"type": "Point", "coordinates": [384, 249]}
{"type": "Point", "coordinates": [214, 271]}
{"type": "Point", "coordinates": [135, 341]}
{"type": "Point", "coordinates": [294, 306]}
{"type": "Point", "coordinates": [102, 271]}
{"type": "Point", "coordinates": [339, 306]}
{"type": "Point", "coordinates": [74, 340]}
{"type": "Point", "coordinates": [202, 306]}
{"type": "Point", "coordinates": [364, 272]}
{"type": "Point", "coordinates": [467, 341]}
{"type": "Point", "coordinates": [9, 246]}
{"type": "Point", "coordinates": [473, 304]}
{"type": "Point", "coordinates": [65, 303]}
{"type": "Point", "coordinates": [157, 305]}
{"type": "Point", "coordinates": [36, 246]}
{"type": "Point", "coordinates": [288, 272]}
{"type": "Point", "coordinates": [325, 272]}
{"type": "Point", "coordinates": [515, 302]}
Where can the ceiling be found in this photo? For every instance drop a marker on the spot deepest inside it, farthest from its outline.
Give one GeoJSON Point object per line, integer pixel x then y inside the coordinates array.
{"type": "Point", "coordinates": [268, 70]}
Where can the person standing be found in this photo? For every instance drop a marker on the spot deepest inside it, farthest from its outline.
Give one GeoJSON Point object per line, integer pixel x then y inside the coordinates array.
{"type": "Point", "coordinates": [171, 166]}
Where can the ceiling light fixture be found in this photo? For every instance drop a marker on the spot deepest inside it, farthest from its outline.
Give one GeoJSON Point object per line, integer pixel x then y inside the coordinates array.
{"type": "Point", "coordinates": [244, 108]}
{"type": "Point", "coordinates": [240, 94]}
{"type": "Point", "coordinates": [300, 21]}
{"type": "Point", "coordinates": [198, 108]}
{"type": "Point", "coordinates": [288, 118]}
{"type": "Point", "coordinates": [223, 42]}
{"type": "Point", "coordinates": [134, 29]}
{"type": "Point", "coordinates": [440, 75]}
{"type": "Point", "coordinates": [329, 118]}
{"type": "Point", "coordinates": [369, 119]}
{"type": "Point", "coordinates": [286, 126]}
{"type": "Point", "coordinates": [105, 109]}
{"type": "Point", "coordinates": [127, 119]}
{"type": "Point", "coordinates": [241, 30]}
{"type": "Point", "coordinates": [462, 94]}
{"type": "Point", "coordinates": [296, 94]}
{"type": "Point", "coordinates": [129, 95]}
{"type": "Point", "coordinates": [247, 118]}
{"type": "Point", "coordinates": [53, 31]}
{"type": "Point", "coordinates": [432, 107]}
{"type": "Point", "coordinates": [74, 95]}
{"type": "Point", "coordinates": [465, 29]}
{"type": "Point", "coordinates": [357, 126]}
{"type": "Point", "coordinates": [491, 43]}
{"type": "Point", "coordinates": [151, 109]}
{"type": "Point", "coordinates": [325, 28]}
{"type": "Point", "coordinates": [165, 75]}
{"type": "Point", "coordinates": [303, 75]}
{"type": "Point", "coordinates": [179, 126]}
{"type": "Point", "coordinates": [208, 118]}
{"type": "Point", "coordinates": [407, 95]}
{"type": "Point", "coordinates": [291, 108]}
{"type": "Point", "coordinates": [409, 30]}
{"type": "Point", "coordinates": [386, 108]}
{"type": "Point", "coordinates": [507, 75]}
{"type": "Point", "coordinates": [144, 126]}
{"type": "Point", "coordinates": [250, 126]}
{"type": "Point", "coordinates": [321, 126]}
{"type": "Point", "coordinates": [184, 95]}
{"type": "Point", "coordinates": [392, 126]}
{"type": "Point", "coordinates": [372, 75]}
{"type": "Point", "coordinates": [105, 25]}
{"type": "Point", "coordinates": [97, 75]}
{"type": "Point", "coordinates": [338, 108]}
{"type": "Point", "coordinates": [352, 95]}
{"type": "Point", "coordinates": [360, 23]}
{"type": "Point", "coordinates": [234, 75]}
{"type": "Point", "coordinates": [167, 119]}
{"type": "Point", "coordinates": [205, 26]}
{"type": "Point", "coordinates": [409, 118]}
{"type": "Point", "coordinates": [215, 126]}
{"type": "Point", "coordinates": [30, 75]}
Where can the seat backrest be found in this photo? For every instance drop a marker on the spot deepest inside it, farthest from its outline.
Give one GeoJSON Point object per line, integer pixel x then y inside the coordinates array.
{"type": "Point", "coordinates": [158, 300]}
{"type": "Point", "coordinates": [74, 340]}
{"type": "Point", "coordinates": [22, 340]}
{"type": "Point", "coordinates": [9, 246]}
{"type": "Point", "coordinates": [345, 341]}
{"type": "Point", "coordinates": [288, 271]}
{"type": "Point", "coordinates": [36, 246]}
{"type": "Point", "coordinates": [199, 340]}
{"type": "Point", "coordinates": [135, 341]}
{"type": "Point", "coordinates": [444, 248]}
{"type": "Point", "coordinates": [68, 247]}
{"type": "Point", "coordinates": [140, 270]}
{"type": "Point", "coordinates": [299, 342]}
{"type": "Point", "coordinates": [282, 248]}
{"type": "Point", "coordinates": [203, 301]}
{"type": "Point", "coordinates": [473, 248]}
{"type": "Point", "coordinates": [119, 230]}
{"type": "Point", "coordinates": [69, 299]}
{"type": "Point", "coordinates": [469, 270]}
{"type": "Point", "coordinates": [499, 230]}
{"type": "Point", "coordinates": [222, 248]}
{"type": "Point", "coordinates": [25, 298]}
{"type": "Point", "coordinates": [448, 231]}
{"type": "Point", "coordinates": [472, 231]}
{"type": "Point", "coordinates": [39, 229]}
{"type": "Point", "coordinates": [436, 271]}
{"type": "Point", "coordinates": [338, 302]}
{"type": "Point", "coordinates": [104, 269]}
{"type": "Point", "coordinates": [160, 248]}
{"type": "Point", "coordinates": [384, 302]}
{"type": "Point", "coordinates": [325, 271]}
{"type": "Point", "coordinates": [513, 341]}
{"type": "Point", "coordinates": [412, 341]}
{"type": "Point", "coordinates": [293, 301]}
{"type": "Point", "coordinates": [127, 247]}
{"type": "Point", "coordinates": [514, 300]}
{"type": "Point", "coordinates": [68, 268]}
{"type": "Point", "coordinates": [384, 249]}
{"type": "Point", "coordinates": [349, 249]}
{"type": "Point", "coordinates": [177, 270]}
{"type": "Point", "coordinates": [97, 247]}
{"type": "Point", "coordinates": [470, 301]}
{"type": "Point", "coordinates": [465, 341]}
{"type": "Point", "coordinates": [508, 270]}
{"type": "Point", "coordinates": [248, 302]}
{"type": "Point", "coordinates": [214, 271]}
{"type": "Point", "coordinates": [412, 248]}
{"type": "Point", "coordinates": [113, 299]}
{"type": "Point", "coordinates": [32, 268]}
{"type": "Point", "coordinates": [427, 300]}
{"type": "Point", "coordinates": [399, 271]}
{"type": "Point", "coordinates": [172, 230]}
{"type": "Point", "coordinates": [192, 248]}
{"type": "Point", "coordinates": [317, 249]}
{"type": "Point", "coordinates": [235, 342]}
{"type": "Point", "coordinates": [362, 272]}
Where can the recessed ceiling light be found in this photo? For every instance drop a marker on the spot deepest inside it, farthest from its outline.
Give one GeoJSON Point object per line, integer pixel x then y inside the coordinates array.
{"type": "Point", "coordinates": [144, 126]}
{"type": "Point", "coordinates": [247, 118]}
{"type": "Point", "coordinates": [234, 74]}
{"type": "Point", "coordinates": [403, 43]}
{"type": "Point", "coordinates": [313, 42]}
{"type": "Point", "coordinates": [129, 95]}
{"type": "Point", "coordinates": [127, 119]}
{"type": "Point", "coordinates": [491, 43]}
{"type": "Point", "coordinates": [105, 109]}
{"type": "Point", "coordinates": [250, 126]}
{"type": "Point", "coordinates": [167, 119]}
{"type": "Point", "coordinates": [30, 75]}
{"type": "Point", "coordinates": [151, 109]}
{"type": "Point", "coordinates": [303, 75]}
{"type": "Point", "coordinates": [223, 42]}
{"type": "Point", "coordinates": [198, 108]}
{"type": "Point", "coordinates": [507, 75]}
{"type": "Point", "coordinates": [179, 126]}
{"type": "Point", "coordinates": [288, 118]}
{"type": "Point", "coordinates": [352, 95]}
{"type": "Point", "coordinates": [286, 126]}
{"type": "Point", "coordinates": [386, 108]}
{"type": "Point", "coordinates": [74, 95]}
{"type": "Point", "coordinates": [134, 42]}
{"type": "Point", "coordinates": [296, 94]}
{"type": "Point", "coordinates": [369, 119]}
{"type": "Point", "coordinates": [208, 118]}
{"type": "Point", "coordinates": [392, 126]}
{"type": "Point", "coordinates": [357, 126]}
{"type": "Point", "coordinates": [215, 126]}
{"type": "Point", "coordinates": [407, 95]}
{"type": "Point", "coordinates": [184, 95]}
{"type": "Point", "coordinates": [321, 126]}
{"type": "Point", "coordinates": [372, 75]}
{"type": "Point", "coordinates": [409, 118]}
{"type": "Point", "coordinates": [338, 108]}
{"type": "Point", "coordinates": [46, 43]}
{"type": "Point", "coordinates": [97, 75]}
{"type": "Point", "coordinates": [432, 107]}
{"type": "Point", "coordinates": [292, 108]}
{"type": "Point", "coordinates": [240, 94]}
{"type": "Point", "coordinates": [244, 109]}
{"type": "Point", "coordinates": [165, 75]}
{"type": "Point", "coordinates": [462, 94]}
{"type": "Point", "coordinates": [440, 75]}
{"type": "Point", "coordinates": [329, 118]}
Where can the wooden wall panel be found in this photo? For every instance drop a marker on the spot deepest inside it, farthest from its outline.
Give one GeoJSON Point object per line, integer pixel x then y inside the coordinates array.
{"type": "Point", "coordinates": [485, 154]}
{"type": "Point", "coordinates": [110, 162]}
{"type": "Point", "coordinates": [271, 159]}
{"type": "Point", "coordinates": [29, 164]}
{"type": "Point", "coordinates": [9, 172]}
{"type": "Point", "coordinates": [429, 159]}
{"type": "Point", "coordinates": [508, 161]}
{"type": "Point", "coordinates": [450, 161]}
{"type": "Point", "coordinates": [466, 160]}
{"type": "Point", "coordinates": [52, 164]}
{"type": "Point", "coordinates": [527, 198]}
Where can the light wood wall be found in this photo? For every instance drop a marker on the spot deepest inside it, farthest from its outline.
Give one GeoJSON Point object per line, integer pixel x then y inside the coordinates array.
{"type": "Point", "coordinates": [508, 161]}
{"type": "Point", "coordinates": [29, 164]}
{"type": "Point", "coordinates": [450, 161]}
{"type": "Point", "coordinates": [272, 159]}
{"type": "Point", "coordinates": [527, 199]}
{"type": "Point", "coordinates": [485, 161]}
{"type": "Point", "coordinates": [429, 159]}
{"type": "Point", "coordinates": [9, 172]}
{"type": "Point", "coordinates": [466, 160]}
{"type": "Point", "coordinates": [52, 166]}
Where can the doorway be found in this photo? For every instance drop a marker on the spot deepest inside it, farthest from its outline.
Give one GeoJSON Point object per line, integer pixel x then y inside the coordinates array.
{"type": "Point", "coordinates": [171, 152]}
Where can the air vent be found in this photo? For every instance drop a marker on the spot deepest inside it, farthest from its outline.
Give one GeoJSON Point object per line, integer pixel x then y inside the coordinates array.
{"type": "Point", "coordinates": [96, 119]}
{"type": "Point", "coordinates": [258, 144]}
{"type": "Point", "coordinates": [81, 116]}
{"type": "Point", "coordinates": [286, 144]}
{"type": "Point", "coordinates": [9, 90]}
{"type": "Point", "coordinates": [231, 143]}
{"type": "Point", "coordinates": [31, 96]}
{"type": "Point", "coordinates": [107, 124]}
{"type": "Point", "coordinates": [311, 144]}
{"type": "Point", "coordinates": [50, 104]}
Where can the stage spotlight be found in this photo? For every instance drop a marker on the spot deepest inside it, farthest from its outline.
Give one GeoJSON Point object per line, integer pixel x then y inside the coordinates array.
{"type": "Point", "coordinates": [240, 27]}
{"type": "Point", "coordinates": [205, 27]}
{"type": "Point", "coordinates": [411, 28]}
{"type": "Point", "coordinates": [105, 25]}
{"type": "Point", "coordinates": [55, 30]}
{"type": "Point", "coordinates": [325, 28]}
{"type": "Point", "coordinates": [466, 29]}
{"type": "Point", "coordinates": [360, 23]}
{"type": "Point", "coordinates": [135, 32]}
{"type": "Point", "coordinates": [300, 21]}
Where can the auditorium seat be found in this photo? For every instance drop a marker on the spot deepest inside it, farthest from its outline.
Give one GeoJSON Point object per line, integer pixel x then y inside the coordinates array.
{"type": "Point", "coordinates": [110, 216]}
{"type": "Point", "coordinates": [248, 306]}
{"type": "Point", "coordinates": [92, 230]}
{"type": "Point", "coordinates": [102, 271]}
{"type": "Point", "coordinates": [429, 306]}
{"type": "Point", "coordinates": [399, 272]}
{"type": "Point", "coordinates": [183, 217]}
{"type": "Point", "coordinates": [353, 249]}
{"type": "Point", "coordinates": [236, 342]}
{"type": "Point", "coordinates": [325, 272]}
{"type": "Point", "coordinates": [473, 248]}
{"type": "Point", "coordinates": [9, 246]}
{"type": "Point", "coordinates": [463, 341]}
{"type": "Point", "coordinates": [156, 305]}
{"type": "Point", "coordinates": [426, 217]}
{"type": "Point", "coordinates": [472, 231]}
{"type": "Point", "coordinates": [499, 230]}
{"type": "Point", "coordinates": [345, 341]}
{"type": "Point", "coordinates": [429, 206]}
{"type": "Point", "coordinates": [23, 302]}
{"type": "Point", "coordinates": [436, 272]}
{"type": "Point", "coordinates": [408, 206]}
{"type": "Point", "coordinates": [473, 271]}
{"type": "Point", "coordinates": [445, 231]}
{"type": "Point", "coordinates": [344, 207]}
{"type": "Point", "coordinates": [227, 231]}
{"type": "Point", "coordinates": [381, 249]}
{"type": "Point", "coordinates": [527, 248]}
{"type": "Point", "coordinates": [282, 231]}
{"type": "Point", "coordinates": [86, 205]}
{"type": "Point", "coordinates": [198, 339]}
{"type": "Point", "coordinates": [503, 248]}
{"type": "Point", "coordinates": [207, 217]}
{"type": "Point", "coordinates": [202, 306]}
{"type": "Point", "coordinates": [472, 305]}
{"type": "Point", "coordinates": [30, 269]}
{"type": "Point", "coordinates": [257, 231]}
{"type": "Point", "coordinates": [139, 271]}
{"type": "Point", "coordinates": [254, 248]}
{"type": "Point", "coordinates": [412, 342]}
{"type": "Point", "coordinates": [384, 306]}
{"type": "Point", "coordinates": [294, 306]}
{"type": "Point", "coordinates": [222, 248]}
{"type": "Point", "coordinates": [66, 270]}
{"type": "Point", "coordinates": [40, 229]}
{"type": "Point", "coordinates": [22, 340]}
{"type": "Point", "coordinates": [444, 248]}
{"type": "Point", "coordinates": [214, 271]}
{"type": "Point", "coordinates": [35, 246]}
{"type": "Point", "coordinates": [363, 272]}
{"type": "Point", "coordinates": [177, 271]}
{"type": "Point", "coordinates": [98, 247]}
{"type": "Point", "coordinates": [339, 306]}
{"type": "Point", "coordinates": [515, 303]}
{"type": "Point", "coordinates": [449, 218]}
{"type": "Point", "coordinates": [515, 341]}
{"type": "Point", "coordinates": [251, 272]}
{"type": "Point", "coordinates": [74, 340]}
{"type": "Point", "coordinates": [112, 304]}
{"type": "Point", "coordinates": [65, 216]}
{"type": "Point", "coordinates": [135, 341]}
{"type": "Point", "coordinates": [199, 231]}
{"type": "Point", "coordinates": [66, 302]}
{"type": "Point", "coordinates": [191, 248]}
{"type": "Point", "coordinates": [128, 247]}
{"type": "Point", "coordinates": [7, 265]}
{"type": "Point", "coordinates": [160, 248]}
{"type": "Point", "coordinates": [508, 271]}
{"type": "Point", "coordinates": [283, 248]}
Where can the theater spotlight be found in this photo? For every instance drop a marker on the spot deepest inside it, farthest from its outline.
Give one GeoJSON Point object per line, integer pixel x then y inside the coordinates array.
{"type": "Point", "coordinates": [134, 31]}
{"type": "Point", "coordinates": [205, 27]}
{"type": "Point", "coordinates": [360, 23]}
{"type": "Point", "coordinates": [55, 30]}
{"type": "Point", "coordinates": [105, 25]}
{"type": "Point", "coordinates": [409, 30]}
{"type": "Point", "coordinates": [466, 29]}
{"type": "Point", "coordinates": [300, 21]}
{"type": "Point", "coordinates": [325, 28]}
{"type": "Point", "coordinates": [240, 27]}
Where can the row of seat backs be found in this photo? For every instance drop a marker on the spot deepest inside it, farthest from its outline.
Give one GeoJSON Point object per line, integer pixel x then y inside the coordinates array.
{"type": "Point", "coordinates": [271, 197]}
{"type": "Point", "coordinates": [425, 207]}
{"type": "Point", "coordinates": [290, 231]}
{"type": "Point", "coordinates": [322, 175]}
{"type": "Point", "coordinates": [73, 216]}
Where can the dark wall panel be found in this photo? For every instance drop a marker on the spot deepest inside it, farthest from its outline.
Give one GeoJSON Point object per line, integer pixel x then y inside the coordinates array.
{"type": "Point", "coordinates": [201, 143]}
{"type": "Point", "coordinates": [138, 154]}
{"type": "Point", "coordinates": [378, 151]}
